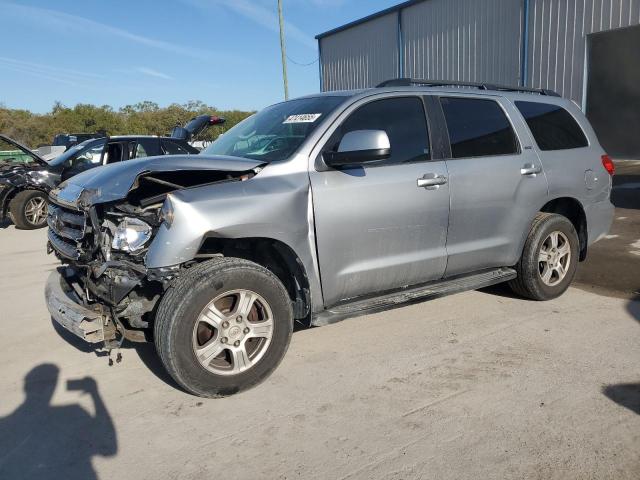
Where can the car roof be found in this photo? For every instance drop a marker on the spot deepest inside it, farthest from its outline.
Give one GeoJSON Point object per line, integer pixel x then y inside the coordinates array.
{"type": "Point", "coordinates": [134, 137]}
{"type": "Point", "coordinates": [514, 95]}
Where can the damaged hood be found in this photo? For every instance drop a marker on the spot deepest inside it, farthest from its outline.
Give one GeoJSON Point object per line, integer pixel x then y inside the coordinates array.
{"type": "Point", "coordinates": [113, 182]}
{"type": "Point", "coordinates": [28, 175]}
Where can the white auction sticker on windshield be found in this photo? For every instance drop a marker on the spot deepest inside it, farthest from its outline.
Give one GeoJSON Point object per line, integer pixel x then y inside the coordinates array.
{"type": "Point", "coordinates": [303, 118]}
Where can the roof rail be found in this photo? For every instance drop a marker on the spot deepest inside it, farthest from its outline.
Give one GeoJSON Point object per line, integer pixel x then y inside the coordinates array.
{"type": "Point", "coordinates": [412, 82]}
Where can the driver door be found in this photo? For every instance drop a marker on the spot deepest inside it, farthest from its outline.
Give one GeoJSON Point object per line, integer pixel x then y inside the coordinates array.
{"type": "Point", "coordinates": [378, 227]}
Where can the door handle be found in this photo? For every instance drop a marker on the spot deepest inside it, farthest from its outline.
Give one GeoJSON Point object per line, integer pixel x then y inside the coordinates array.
{"type": "Point", "coordinates": [530, 169]}
{"type": "Point", "coordinates": [431, 181]}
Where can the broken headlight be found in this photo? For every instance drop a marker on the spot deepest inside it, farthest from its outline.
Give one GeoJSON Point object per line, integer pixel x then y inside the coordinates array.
{"type": "Point", "coordinates": [39, 176]}
{"type": "Point", "coordinates": [130, 235]}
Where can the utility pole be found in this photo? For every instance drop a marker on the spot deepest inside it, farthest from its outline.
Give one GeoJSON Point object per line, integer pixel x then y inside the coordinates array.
{"type": "Point", "coordinates": [283, 50]}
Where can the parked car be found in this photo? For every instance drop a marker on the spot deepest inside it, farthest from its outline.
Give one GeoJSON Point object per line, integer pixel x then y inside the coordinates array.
{"type": "Point", "coordinates": [196, 126]}
{"type": "Point", "coordinates": [68, 140]}
{"type": "Point", "coordinates": [323, 208]}
{"type": "Point", "coordinates": [24, 186]}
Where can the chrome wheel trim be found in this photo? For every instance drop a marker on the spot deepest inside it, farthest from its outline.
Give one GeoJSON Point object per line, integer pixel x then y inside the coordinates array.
{"type": "Point", "coordinates": [239, 336]}
{"type": "Point", "coordinates": [554, 258]}
{"type": "Point", "coordinates": [35, 210]}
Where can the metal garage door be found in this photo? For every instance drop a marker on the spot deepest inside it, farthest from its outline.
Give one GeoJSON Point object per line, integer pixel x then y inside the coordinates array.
{"type": "Point", "coordinates": [613, 90]}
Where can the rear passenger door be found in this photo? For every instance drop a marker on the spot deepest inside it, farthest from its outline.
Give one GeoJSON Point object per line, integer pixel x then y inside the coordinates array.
{"type": "Point", "coordinates": [496, 182]}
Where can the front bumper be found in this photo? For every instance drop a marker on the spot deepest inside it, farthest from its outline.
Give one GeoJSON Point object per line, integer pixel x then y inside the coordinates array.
{"type": "Point", "coordinates": [66, 308]}
{"type": "Point", "coordinates": [5, 191]}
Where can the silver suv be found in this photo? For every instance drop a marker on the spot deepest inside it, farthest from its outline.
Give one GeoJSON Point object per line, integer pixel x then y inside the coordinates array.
{"type": "Point", "coordinates": [322, 208]}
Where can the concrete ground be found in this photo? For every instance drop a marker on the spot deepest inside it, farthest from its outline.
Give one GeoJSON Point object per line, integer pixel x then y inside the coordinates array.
{"type": "Point", "coordinates": [479, 385]}
{"type": "Point", "coordinates": [613, 264]}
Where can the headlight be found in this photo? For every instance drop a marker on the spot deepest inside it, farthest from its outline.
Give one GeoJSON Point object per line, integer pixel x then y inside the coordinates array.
{"type": "Point", "coordinates": [131, 234]}
{"type": "Point", "coordinates": [38, 176]}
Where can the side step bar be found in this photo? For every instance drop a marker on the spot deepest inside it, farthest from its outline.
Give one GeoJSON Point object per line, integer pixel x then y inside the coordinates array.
{"type": "Point", "coordinates": [410, 295]}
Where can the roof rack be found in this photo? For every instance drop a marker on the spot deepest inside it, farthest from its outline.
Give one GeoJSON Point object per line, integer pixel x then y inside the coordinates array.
{"type": "Point", "coordinates": [412, 82]}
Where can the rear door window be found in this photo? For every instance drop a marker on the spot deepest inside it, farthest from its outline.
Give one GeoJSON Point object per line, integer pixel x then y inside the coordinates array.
{"type": "Point", "coordinates": [552, 126]}
{"type": "Point", "coordinates": [137, 150]}
{"type": "Point", "coordinates": [478, 128]}
{"type": "Point", "coordinates": [173, 148]}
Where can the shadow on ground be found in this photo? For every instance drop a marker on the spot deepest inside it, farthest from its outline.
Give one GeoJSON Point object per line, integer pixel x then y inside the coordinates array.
{"type": "Point", "coordinates": [627, 394]}
{"type": "Point", "coordinates": [41, 441]}
{"type": "Point", "coordinates": [145, 351]}
{"type": "Point", "coordinates": [501, 290]}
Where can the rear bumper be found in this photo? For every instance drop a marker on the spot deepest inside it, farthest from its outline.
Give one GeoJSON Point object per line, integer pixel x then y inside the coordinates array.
{"type": "Point", "coordinates": [66, 308]}
{"type": "Point", "coordinates": [599, 219]}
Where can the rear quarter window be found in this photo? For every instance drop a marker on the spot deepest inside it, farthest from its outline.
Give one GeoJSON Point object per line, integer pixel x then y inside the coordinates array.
{"type": "Point", "coordinates": [552, 126]}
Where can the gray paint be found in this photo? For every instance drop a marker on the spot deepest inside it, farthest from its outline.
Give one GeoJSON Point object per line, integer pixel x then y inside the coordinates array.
{"type": "Point", "coordinates": [113, 181]}
{"type": "Point", "coordinates": [558, 33]}
{"type": "Point", "coordinates": [367, 230]}
{"type": "Point", "coordinates": [493, 202]}
{"type": "Point", "coordinates": [362, 140]}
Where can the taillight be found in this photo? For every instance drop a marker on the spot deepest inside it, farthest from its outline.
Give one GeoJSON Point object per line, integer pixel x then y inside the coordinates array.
{"type": "Point", "coordinates": [608, 165]}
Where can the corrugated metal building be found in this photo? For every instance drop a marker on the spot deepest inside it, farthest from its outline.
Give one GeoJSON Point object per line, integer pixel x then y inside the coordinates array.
{"type": "Point", "coordinates": [586, 50]}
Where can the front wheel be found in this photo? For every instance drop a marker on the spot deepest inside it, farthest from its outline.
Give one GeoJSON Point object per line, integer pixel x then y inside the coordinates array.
{"type": "Point", "coordinates": [549, 258]}
{"type": "Point", "coordinates": [223, 327]}
{"type": "Point", "coordinates": [29, 209]}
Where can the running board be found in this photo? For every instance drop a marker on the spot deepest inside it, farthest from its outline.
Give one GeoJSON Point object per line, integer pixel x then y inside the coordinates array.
{"type": "Point", "coordinates": [410, 295]}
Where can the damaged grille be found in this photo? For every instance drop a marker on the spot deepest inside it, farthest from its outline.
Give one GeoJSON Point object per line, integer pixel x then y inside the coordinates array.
{"type": "Point", "coordinates": [67, 229]}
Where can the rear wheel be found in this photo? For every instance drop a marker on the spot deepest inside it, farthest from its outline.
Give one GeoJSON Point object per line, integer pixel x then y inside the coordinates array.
{"type": "Point", "coordinates": [549, 258]}
{"type": "Point", "coordinates": [223, 327]}
{"type": "Point", "coordinates": [29, 209]}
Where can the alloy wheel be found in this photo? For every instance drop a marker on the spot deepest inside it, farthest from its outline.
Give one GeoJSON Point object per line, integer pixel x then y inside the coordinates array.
{"type": "Point", "coordinates": [233, 332]}
{"type": "Point", "coordinates": [35, 210]}
{"type": "Point", "coordinates": [554, 258]}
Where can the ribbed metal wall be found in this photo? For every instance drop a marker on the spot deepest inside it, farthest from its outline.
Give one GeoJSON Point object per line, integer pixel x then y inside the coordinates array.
{"type": "Point", "coordinates": [362, 56]}
{"type": "Point", "coordinates": [475, 40]}
{"type": "Point", "coordinates": [558, 32]}
{"type": "Point", "coordinates": [466, 40]}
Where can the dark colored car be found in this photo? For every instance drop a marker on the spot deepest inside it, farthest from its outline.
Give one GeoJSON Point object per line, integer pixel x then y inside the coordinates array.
{"type": "Point", "coordinates": [26, 178]}
{"type": "Point", "coordinates": [195, 127]}
{"type": "Point", "coordinates": [68, 140]}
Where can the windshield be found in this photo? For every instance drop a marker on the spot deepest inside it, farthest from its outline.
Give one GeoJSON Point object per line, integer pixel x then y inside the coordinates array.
{"type": "Point", "coordinates": [276, 132]}
{"type": "Point", "coordinates": [78, 150]}
{"type": "Point", "coordinates": [10, 153]}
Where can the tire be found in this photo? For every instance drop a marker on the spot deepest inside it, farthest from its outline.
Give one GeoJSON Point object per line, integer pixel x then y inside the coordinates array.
{"type": "Point", "coordinates": [29, 209]}
{"type": "Point", "coordinates": [540, 279]}
{"type": "Point", "coordinates": [180, 331]}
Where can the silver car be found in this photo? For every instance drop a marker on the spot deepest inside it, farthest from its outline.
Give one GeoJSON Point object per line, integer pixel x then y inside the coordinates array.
{"type": "Point", "coordinates": [322, 208]}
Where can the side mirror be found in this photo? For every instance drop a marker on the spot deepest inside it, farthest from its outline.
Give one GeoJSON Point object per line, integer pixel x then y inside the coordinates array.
{"type": "Point", "coordinates": [359, 147]}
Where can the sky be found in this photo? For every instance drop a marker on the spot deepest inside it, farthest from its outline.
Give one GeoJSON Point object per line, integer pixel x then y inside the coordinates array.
{"type": "Point", "coordinates": [225, 53]}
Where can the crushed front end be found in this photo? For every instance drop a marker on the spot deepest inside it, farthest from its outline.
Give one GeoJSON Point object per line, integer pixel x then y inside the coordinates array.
{"type": "Point", "coordinates": [103, 291]}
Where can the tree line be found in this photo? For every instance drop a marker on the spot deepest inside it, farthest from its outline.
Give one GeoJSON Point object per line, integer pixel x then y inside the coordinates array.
{"type": "Point", "coordinates": [144, 118]}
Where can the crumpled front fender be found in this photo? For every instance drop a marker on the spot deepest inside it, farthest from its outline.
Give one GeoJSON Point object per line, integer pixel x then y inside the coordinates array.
{"type": "Point", "coordinates": [277, 207]}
